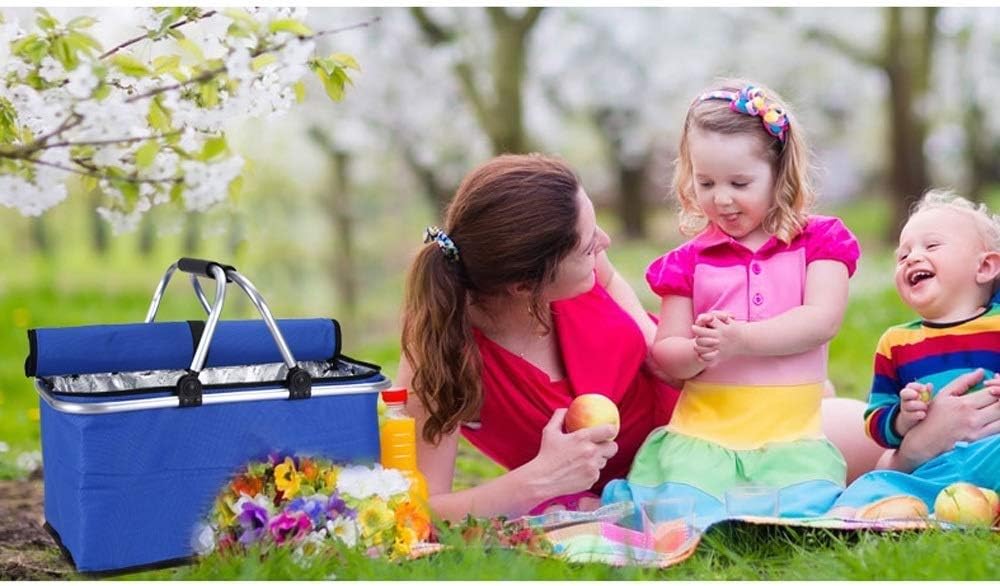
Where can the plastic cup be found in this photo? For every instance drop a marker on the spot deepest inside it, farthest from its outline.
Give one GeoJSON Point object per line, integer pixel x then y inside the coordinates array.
{"type": "Point", "coordinates": [667, 523]}
{"type": "Point", "coordinates": [752, 501]}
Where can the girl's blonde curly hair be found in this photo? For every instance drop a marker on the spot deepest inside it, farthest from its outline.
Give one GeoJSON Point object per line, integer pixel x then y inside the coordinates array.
{"type": "Point", "coordinates": [793, 192]}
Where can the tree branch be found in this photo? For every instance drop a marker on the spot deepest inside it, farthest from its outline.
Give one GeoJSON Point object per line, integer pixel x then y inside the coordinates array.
{"type": "Point", "coordinates": [845, 47]}
{"type": "Point", "coordinates": [93, 172]}
{"type": "Point", "coordinates": [435, 33]}
{"type": "Point", "coordinates": [70, 143]}
{"type": "Point", "coordinates": [206, 75]}
{"type": "Point", "coordinates": [132, 41]}
{"type": "Point", "coordinates": [530, 17]}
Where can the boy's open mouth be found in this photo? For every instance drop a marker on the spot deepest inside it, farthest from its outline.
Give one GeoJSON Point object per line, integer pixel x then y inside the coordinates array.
{"type": "Point", "coordinates": [918, 276]}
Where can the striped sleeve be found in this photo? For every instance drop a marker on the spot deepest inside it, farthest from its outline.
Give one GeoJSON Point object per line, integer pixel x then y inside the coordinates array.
{"type": "Point", "coordinates": [883, 400]}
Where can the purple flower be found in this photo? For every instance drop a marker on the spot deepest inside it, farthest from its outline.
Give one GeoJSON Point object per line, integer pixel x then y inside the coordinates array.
{"type": "Point", "coordinates": [253, 520]}
{"type": "Point", "coordinates": [312, 506]}
{"type": "Point", "coordinates": [289, 526]}
{"type": "Point", "coordinates": [336, 507]}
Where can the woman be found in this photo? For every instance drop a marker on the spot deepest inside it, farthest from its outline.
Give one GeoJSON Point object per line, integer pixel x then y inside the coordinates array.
{"type": "Point", "coordinates": [512, 310]}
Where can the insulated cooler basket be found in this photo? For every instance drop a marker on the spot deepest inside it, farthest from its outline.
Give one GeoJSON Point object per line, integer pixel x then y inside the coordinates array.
{"type": "Point", "coordinates": [143, 424]}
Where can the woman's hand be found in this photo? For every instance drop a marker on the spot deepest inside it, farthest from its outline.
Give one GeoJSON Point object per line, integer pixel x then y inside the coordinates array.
{"type": "Point", "coordinates": [952, 416]}
{"type": "Point", "coordinates": [570, 462]}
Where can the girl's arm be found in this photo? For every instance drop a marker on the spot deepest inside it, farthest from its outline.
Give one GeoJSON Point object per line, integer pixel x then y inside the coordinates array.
{"type": "Point", "coordinates": [566, 463]}
{"type": "Point", "coordinates": [674, 349]}
{"type": "Point", "coordinates": [801, 328]}
{"type": "Point", "coordinates": [625, 296]}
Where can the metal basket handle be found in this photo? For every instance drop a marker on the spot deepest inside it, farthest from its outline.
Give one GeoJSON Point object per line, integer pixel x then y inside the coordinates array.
{"type": "Point", "coordinates": [189, 387]}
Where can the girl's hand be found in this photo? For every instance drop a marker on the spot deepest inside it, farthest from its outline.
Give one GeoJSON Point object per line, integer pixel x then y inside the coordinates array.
{"type": "Point", "coordinates": [571, 462]}
{"type": "Point", "coordinates": [719, 340]}
{"type": "Point", "coordinates": [913, 401]}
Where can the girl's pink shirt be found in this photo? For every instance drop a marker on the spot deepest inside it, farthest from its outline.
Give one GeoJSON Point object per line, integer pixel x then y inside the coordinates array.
{"type": "Point", "coordinates": [719, 273]}
{"type": "Point", "coordinates": [603, 351]}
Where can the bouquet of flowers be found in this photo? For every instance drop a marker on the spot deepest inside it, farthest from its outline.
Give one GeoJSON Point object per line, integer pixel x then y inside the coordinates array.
{"type": "Point", "coordinates": [305, 502]}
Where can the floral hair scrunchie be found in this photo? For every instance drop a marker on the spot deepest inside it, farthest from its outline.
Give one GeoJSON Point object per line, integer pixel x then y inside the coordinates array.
{"type": "Point", "coordinates": [444, 242]}
{"type": "Point", "coordinates": [752, 102]}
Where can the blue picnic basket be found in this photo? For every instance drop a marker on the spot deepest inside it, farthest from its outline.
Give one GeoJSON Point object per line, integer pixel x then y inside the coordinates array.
{"type": "Point", "coordinates": [143, 424]}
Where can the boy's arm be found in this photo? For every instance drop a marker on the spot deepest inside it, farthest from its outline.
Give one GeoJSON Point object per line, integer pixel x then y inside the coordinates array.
{"type": "Point", "coordinates": [883, 399]}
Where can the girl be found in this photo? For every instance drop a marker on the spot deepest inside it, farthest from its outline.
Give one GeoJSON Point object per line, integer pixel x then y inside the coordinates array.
{"type": "Point", "coordinates": [748, 306]}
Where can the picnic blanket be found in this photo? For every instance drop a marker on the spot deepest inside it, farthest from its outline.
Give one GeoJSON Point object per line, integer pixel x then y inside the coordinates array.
{"type": "Point", "coordinates": [603, 535]}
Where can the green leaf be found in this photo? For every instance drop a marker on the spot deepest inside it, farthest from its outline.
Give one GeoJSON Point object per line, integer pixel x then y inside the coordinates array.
{"type": "Point", "coordinates": [129, 189]}
{"type": "Point", "coordinates": [345, 60]}
{"type": "Point", "coordinates": [45, 20]}
{"type": "Point", "coordinates": [166, 63]}
{"type": "Point", "coordinates": [263, 60]}
{"type": "Point", "coordinates": [146, 154]}
{"type": "Point", "coordinates": [209, 94]}
{"type": "Point", "coordinates": [129, 65]}
{"type": "Point", "coordinates": [177, 192]}
{"type": "Point", "coordinates": [242, 18]}
{"type": "Point", "coordinates": [192, 48]}
{"type": "Point", "coordinates": [213, 147]}
{"type": "Point", "coordinates": [31, 47]}
{"type": "Point", "coordinates": [159, 117]}
{"type": "Point", "coordinates": [333, 88]}
{"type": "Point", "coordinates": [289, 25]}
{"type": "Point", "coordinates": [9, 131]}
{"type": "Point", "coordinates": [103, 91]}
{"type": "Point", "coordinates": [85, 42]}
{"type": "Point", "coordinates": [235, 187]}
{"type": "Point", "coordinates": [62, 52]}
{"type": "Point", "coordinates": [300, 91]}
{"type": "Point", "coordinates": [81, 22]}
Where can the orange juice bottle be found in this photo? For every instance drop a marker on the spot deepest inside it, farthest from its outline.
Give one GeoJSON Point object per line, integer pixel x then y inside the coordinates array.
{"type": "Point", "coordinates": [398, 439]}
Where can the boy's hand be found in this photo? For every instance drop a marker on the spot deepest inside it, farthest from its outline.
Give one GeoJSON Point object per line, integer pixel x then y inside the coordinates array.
{"type": "Point", "coordinates": [717, 336]}
{"type": "Point", "coordinates": [913, 400]}
{"type": "Point", "coordinates": [993, 385]}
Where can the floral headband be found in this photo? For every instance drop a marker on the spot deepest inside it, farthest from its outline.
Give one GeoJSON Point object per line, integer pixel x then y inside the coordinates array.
{"type": "Point", "coordinates": [444, 242]}
{"type": "Point", "coordinates": [752, 101]}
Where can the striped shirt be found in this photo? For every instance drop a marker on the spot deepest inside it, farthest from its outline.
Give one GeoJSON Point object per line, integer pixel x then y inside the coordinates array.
{"type": "Point", "coordinates": [927, 353]}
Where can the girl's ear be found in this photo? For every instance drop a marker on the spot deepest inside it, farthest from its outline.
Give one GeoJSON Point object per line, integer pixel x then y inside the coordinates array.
{"type": "Point", "coordinates": [989, 267]}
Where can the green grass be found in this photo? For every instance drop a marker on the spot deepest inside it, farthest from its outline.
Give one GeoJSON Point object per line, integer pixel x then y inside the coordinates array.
{"type": "Point", "coordinates": [76, 287]}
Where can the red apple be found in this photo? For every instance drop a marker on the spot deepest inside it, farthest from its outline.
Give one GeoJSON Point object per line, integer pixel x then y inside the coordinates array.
{"type": "Point", "coordinates": [994, 500]}
{"type": "Point", "coordinates": [591, 409]}
{"type": "Point", "coordinates": [963, 503]}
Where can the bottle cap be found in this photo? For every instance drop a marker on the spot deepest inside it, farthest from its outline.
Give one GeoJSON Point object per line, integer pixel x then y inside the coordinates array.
{"type": "Point", "coordinates": [394, 396]}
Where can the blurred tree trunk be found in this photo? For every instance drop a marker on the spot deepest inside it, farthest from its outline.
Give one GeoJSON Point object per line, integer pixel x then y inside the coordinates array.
{"type": "Point", "coordinates": [338, 208]}
{"type": "Point", "coordinates": [437, 191]}
{"type": "Point", "coordinates": [978, 155]}
{"type": "Point", "coordinates": [192, 233]}
{"type": "Point", "coordinates": [906, 59]}
{"type": "Point", "coordinates": [98, 225]}
{"type": "Point", "coordinates": [147, 234]}
{"type": "Point", "coordinates": [499, 109]}
{"type": "Point", "coordinates": [629, 168]}
{"type": "Point", "coordinates": [40, 240]}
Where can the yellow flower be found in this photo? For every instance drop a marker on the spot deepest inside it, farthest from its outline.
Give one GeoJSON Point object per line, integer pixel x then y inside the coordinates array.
{"type": "Point", "coordinates": [405, 538]}
{"type": "Point", "coordinates": [330, 479]}
{"type": "Point", "coordinates": [374, 517]}
{"type": "Point", "coordinates": [286, 478]}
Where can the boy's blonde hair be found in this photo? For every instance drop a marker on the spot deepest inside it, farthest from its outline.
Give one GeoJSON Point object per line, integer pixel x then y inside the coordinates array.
{"type": "Point", "coordinates": [987, 223]}
{"type": "Point", "coordinates": [793, 192]}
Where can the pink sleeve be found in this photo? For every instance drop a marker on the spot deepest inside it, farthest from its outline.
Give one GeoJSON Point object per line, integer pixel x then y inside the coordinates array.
{"type": "Point", "coordinates": [829, 239]}
{"type": "Point", "coordinates": [672, 273]}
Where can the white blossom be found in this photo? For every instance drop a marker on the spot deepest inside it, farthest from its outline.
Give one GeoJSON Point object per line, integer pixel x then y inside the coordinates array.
{"type": "Point", "coordinates": [361, 482]}
{"type": "Point", "coordinates": [81, 81]}
{"type": "Point", "coordinates": [51, 70]}
{"type": "Point", "coordinates": [30, 461]}
{"type": "Point", "coordinates": [343, 528]}
{"type": "Point", "coordinates": [203, 539]}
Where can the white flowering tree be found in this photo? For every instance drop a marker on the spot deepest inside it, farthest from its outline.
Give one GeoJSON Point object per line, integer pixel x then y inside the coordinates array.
{"type": "Point", "coordinates": [147, 127]}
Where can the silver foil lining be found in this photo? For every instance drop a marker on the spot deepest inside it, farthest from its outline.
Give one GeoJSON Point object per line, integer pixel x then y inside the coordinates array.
{"type": "Point", "coordinates": [262, 374]}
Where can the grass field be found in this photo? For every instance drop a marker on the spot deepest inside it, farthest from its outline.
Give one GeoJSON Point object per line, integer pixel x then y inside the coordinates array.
{"type": "Point", "coordinates": [74, 288]}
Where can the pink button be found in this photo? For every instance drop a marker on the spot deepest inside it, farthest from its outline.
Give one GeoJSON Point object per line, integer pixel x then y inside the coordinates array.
{"type": "Point", "coordinates": [755, 267]}
{"type": "Point", "coordinates": [758, 299]}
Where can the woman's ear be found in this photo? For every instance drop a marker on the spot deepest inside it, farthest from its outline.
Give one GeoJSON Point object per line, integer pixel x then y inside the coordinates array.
{"type": "Point", "coordinates": [989, 267]}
